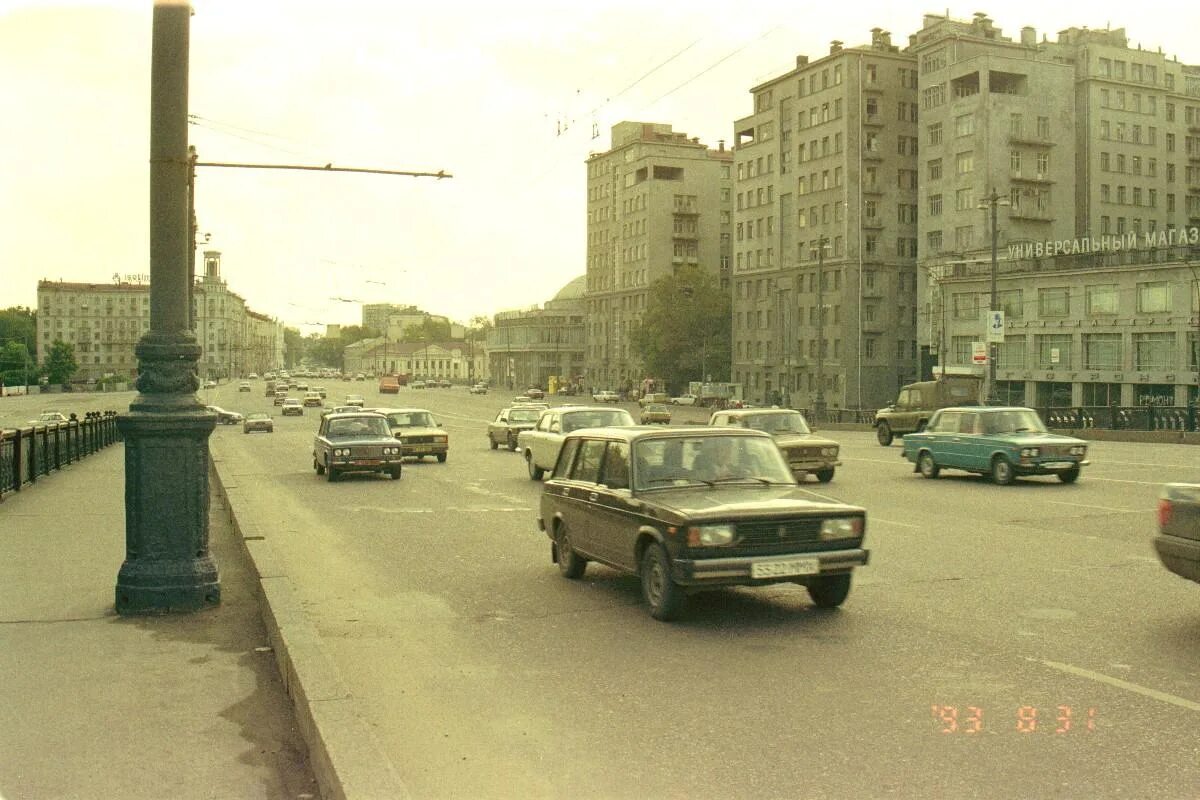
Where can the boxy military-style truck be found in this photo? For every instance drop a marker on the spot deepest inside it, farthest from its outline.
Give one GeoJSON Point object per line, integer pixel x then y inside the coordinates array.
{"type": "Point", "coordinates": [917, 402]}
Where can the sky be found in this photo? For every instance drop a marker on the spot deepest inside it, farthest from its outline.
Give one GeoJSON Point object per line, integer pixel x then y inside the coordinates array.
{"type": "Point", "coordinates": [505, 97]}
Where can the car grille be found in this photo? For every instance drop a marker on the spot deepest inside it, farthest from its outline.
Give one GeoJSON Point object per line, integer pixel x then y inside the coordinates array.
{"type": "Point", "coordinates": [773, 533]}
{"type": "Point", "coordinates": [367, 451]}
{"type": "Point", "coordinates": [798, 453]}
{"type": "Point", "coordinates": [418, 440]}
{"type": "Point", "coordinates": [1056, 449]}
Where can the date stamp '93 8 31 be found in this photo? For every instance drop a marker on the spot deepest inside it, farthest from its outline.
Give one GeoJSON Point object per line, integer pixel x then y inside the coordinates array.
{"type": "Point", "coordinates": [1057, 720]}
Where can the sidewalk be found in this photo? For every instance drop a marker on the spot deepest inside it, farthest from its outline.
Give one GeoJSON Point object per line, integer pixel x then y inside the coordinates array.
{"type": "Point", "coordinates": [93, 705]}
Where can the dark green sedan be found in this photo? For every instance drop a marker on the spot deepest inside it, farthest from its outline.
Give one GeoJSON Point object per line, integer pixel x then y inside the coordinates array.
{"type": "Point", "coordinates": [1001, 442]}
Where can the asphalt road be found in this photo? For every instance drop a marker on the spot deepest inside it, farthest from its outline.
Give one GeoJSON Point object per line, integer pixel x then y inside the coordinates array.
{"type": "Point", "coordinates": [1016, 641]}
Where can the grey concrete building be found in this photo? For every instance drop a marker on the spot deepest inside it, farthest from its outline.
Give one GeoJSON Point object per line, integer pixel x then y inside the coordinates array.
{"type": "Point", "coordinates": [827, 178]}
{"type": "Point", "coordinates": [655, 201]}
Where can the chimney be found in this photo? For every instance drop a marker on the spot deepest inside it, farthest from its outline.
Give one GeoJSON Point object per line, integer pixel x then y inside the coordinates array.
{"type": "Point", "coordinates": [835, 46]}
{"type": "Point", "coordinates": [875, 36]}
{"type": "Point", "coordinates": [801, 61]}
{"type": "Point", "coordinates": [1028, 36]}
{"type": "Point", "coordinates": [721, 145]}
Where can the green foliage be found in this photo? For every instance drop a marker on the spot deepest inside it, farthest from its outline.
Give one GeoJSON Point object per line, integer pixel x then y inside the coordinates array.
{"type": "Point", "coordinates": [60, 362]}
{"type": "Point", "coordinates": [16, 366]}
{"type": "Point", "coordinates": [685, 331]}
{"type": "Point", "coordinates": [429, 330]}
{"type": "Point", "coordinates": [293, 348]}
{"type": "Point", "coordinates": [18, 324]}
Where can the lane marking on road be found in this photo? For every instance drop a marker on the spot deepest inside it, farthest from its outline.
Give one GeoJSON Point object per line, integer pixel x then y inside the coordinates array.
{"type": "Point", "coordinates": [1120, 684]}
{"type": "Point", "coordinates": [1091, 478]}
{"type": "Point", "coordinates": [1102, 508]}
{"type": "Point", "coordinates": [481, 509]}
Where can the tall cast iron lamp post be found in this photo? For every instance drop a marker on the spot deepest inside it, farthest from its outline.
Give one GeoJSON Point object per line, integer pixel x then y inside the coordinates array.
{"type": "Point", "coordinates": [993, 201]}
{"type": "Point", "coordinates": [819, 401]}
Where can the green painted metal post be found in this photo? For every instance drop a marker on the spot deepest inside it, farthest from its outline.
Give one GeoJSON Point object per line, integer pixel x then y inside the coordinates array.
{"type": "Point", "coordinates": [168, 567]}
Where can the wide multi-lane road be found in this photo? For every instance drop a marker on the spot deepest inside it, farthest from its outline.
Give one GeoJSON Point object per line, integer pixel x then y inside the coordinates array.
{"type": "Point", "coordinates": [1016, 641]}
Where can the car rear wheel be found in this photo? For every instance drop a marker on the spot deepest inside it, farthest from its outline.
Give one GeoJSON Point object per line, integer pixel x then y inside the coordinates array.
{"type": "Point", "coordinates": [1069, 475]}
{"type": "Point", "coordinates": [665, 597]}
{"type": "Point", "coordinates": [825, 475]}
{"type": "Point", "coordinates": [395, 472]}
{"type": "Point", "coordinates": [441, 457]}
{"type": "Point", "coordinates": [1002, 471]}
{"type": "Point", "coordinates": [883, 434]}
{"type": "Point", "coordinates": [319, 467]}
{"type": "Point", "coordinates": [535, 472]}
{"type": "Point", "coordinates": [330, 474]}
{"type": "Point", "coordinates": [830, 591]}
{"type": "Point", "coordinates": [512, 442]}
{"type": "Point", "coordinates": [495, 445]}
{"type": "Point", "coordinates": [927, 466]}
{"type": "Point", "coordinates": [570, 563]}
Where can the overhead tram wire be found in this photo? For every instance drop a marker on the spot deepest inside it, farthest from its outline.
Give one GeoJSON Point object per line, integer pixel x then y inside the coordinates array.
{"type": "Point", "coordinates": [714, 65]}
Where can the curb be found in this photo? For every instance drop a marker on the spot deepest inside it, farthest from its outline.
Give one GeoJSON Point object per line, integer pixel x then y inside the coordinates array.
{"type": "Point", "coordinates": [343, 752]}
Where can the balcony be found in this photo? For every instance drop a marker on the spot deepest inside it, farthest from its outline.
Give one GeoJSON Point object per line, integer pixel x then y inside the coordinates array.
{"type": "Point", "coordinates": [872, 223]}
{"type": "Point", "coordinates": [1031, 177]}
{"type": "Point", "coordinates": [872, 188]}
{"type": "Point", "coordinates": [873, 119]}
{"type": "Point", "coordinates": [871, 155]}
{"type": "Point", "coordinates": [1030, 215]}
{"type": "Point", "coordinates": [1030, 139]}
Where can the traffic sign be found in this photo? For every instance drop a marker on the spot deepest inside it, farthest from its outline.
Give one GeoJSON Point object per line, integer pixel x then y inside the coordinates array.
{"type": "Point", "coordinates": [995, 326]}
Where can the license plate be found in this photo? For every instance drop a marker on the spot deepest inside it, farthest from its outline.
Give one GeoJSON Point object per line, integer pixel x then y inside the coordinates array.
{"type": "Point", "coordinates": [1058, 464]}
{"type": "Point", "coordinates": [778, 569]}
{"type": "Point", "coordinates": [365, 463]}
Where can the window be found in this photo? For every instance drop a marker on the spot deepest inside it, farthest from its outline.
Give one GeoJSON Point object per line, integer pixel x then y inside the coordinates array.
{"type": "Point", "coordinates": [1010, 354]}
{"type": "Point", "coordinates": [964, 237]}
{"type": "Point", "coordinates": [1154, 350]}
{"type": "Point", "coordinates": [872, 75]}
{"type": "Point", "coordinates": [934, 241]}
{"type": "Point", "coordinates": [1043, 127]}
{"type": "Point", "coordinates": [933, 96]}
{"type": "Point", "coordinates": [935, 169]}
{"type": "Point", "coordinates": [1043, 163]}
{"type": "Point", "coordinates": [1014, 161]}
{"type": "Point", "coordinates": [964, 125]}
{"type": "Point", "coordinates": [1015, 124]}
{"type": "Point", "coordinates": [935, 205]}
{"type": "Point", "coordinates": [964, 199]}
{"type": "Point", "coordinates": [1153, 298]}
{"type": "Point", "coordinates": [1101, 298]}
{"type": "Point", "coordinates": [1054, 351]}
{"type": "Point", "coordinates": [1010, 303]}
{"type": "Point", "coordinates": [935, 133]}
{"type": "Point", "coordinates": [964, 163]}
{"type": "Point", "coordinates": [1054, 302]}
{"type": "Point", "coordinates": [1102, 351]}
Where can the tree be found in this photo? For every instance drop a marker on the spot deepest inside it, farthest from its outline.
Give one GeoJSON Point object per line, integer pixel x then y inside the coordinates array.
{"type": "Point", "coordinates": [685, 332]}
{"type": "Point", "coordinates": [430, 330]}
{"type": "Point", "coordinates": [16, 367]}
{"type": "Point", "coordinates": [60, 362]}
{"type": "Point", "coordinates": [293, 348]}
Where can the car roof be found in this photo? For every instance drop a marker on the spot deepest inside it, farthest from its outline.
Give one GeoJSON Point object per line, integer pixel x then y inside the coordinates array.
{"type": "Point", "coordinates": [988, 409]}
{"type": "Point", "coordinates": [756, 412]}
{"type": "Point", "coordinates": [636, 433]}
{"type": "Point", "coordinates": [400, 410]}
{"type": "Point", "coordinates": [342, 414]}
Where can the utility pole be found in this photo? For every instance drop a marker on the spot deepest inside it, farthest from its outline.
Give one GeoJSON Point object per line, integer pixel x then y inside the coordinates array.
{"type": "Point", "coordinates": [993, 201]}
{"type": "Point", "coordinates": [819, 400]}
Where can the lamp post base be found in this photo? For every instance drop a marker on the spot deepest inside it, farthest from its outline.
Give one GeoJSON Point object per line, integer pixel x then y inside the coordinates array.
{"type": "Point", "coordinates": [167, 566]}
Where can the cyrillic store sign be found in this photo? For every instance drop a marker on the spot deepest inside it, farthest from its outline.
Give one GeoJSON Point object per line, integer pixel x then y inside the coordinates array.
{"type": "Point", "coordinates": [1104, 244]}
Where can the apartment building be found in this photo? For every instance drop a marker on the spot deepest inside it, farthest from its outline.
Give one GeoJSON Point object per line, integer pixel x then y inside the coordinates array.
{"type": "Point", "coordinates": [826, 230]}
{"type": "Point", "coordinates": [655, 201]}
{"type": "Point", "coordinates": [105, 321]}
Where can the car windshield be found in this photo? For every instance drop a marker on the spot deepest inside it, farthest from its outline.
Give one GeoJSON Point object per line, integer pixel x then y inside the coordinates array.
{"type": "Point", "coordinates": [675, 461]}
{"type": "Point", "coordinates": [778, 423]}
{"type": "Point", "coordinates": [258, 415]}
{"type": "Point", "coordinates": [523, 415]}
{"type": "Point", "coordinates": [600, 418]}
{"type": "Point", "coordinates": [411, 419]}
{"type": "Point", "coordinates": [1019, 420]}
{"type": "Point", "coordinates": [359, 426]}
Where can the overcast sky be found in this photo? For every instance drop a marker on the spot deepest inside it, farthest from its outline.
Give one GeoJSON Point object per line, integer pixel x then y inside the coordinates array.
{"type": "Point", "coordinates": [504, 96]}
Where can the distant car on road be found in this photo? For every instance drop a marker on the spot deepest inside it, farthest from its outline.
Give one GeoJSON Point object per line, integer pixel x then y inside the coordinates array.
{"type": "Point", "coordinates": [534, 393]}
{"type": "Point", "coordinates": [312, 400]}
{"type": "Point", "coordinates": [805, 451]}
{"type": "Point", "coordinates": [354, 400]}
{"type": "Point", "coordinates": [689, 509]}
{"type": "Point", "coordinates": [292, 407]}
{"type": "Point", "coordinates": [684, 400]}
{"type": "Point", "coordinates": [225, 417]}
{"type": "Point", "coordinates": [540, 445]}
{"type": "Point", "coordinates": [418, 384]}
{"type": "Point", "coordinates": [479, 388]}
{"type": "Point", "coordinates": [509, 423]}
{"type": "Point", "coordinates": [244, 386]}
{"type": "Point", "coordinates": [1004, 443]}
{"type": "Point", "coordinates": [606, 396]}
{"type": "Point", "coordinates": [656, 412]}
{"type": "Point", "coordinates": [419, 433]}
{"type": "Point", "coordinates": [1178, 539]}
{"type": "Point", "coordinates": [50, 418]}
{"type": "Point", "coordinates": [280, 396]}
{"type": "Point", "coordinates": [258, 421]}
{"type": "Point", "coordinates": [210, 384]}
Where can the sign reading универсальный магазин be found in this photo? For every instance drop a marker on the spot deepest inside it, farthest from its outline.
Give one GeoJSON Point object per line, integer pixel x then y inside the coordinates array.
{"type": "Point", "coordinates": [1108, 243]}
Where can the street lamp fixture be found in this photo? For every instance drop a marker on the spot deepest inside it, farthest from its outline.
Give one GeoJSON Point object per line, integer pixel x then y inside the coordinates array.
{"type": "Point", "coordinates": [819, 401]}
{"type": "Point", "coordinates": [992, 202]}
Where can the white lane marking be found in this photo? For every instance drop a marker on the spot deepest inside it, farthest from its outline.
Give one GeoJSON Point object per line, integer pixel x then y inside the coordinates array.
{"type": "Point", "coordinates": [1103, 508]}
{"type": "Point", "coordinates": [488, 510]}
{"type": "Point", "coordinates": [1090, 478]}
{"type": "Point", "coordinates": [1120, 684]}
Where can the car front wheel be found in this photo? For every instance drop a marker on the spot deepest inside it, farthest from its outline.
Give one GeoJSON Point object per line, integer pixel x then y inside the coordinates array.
{"type": "Point", "coordinates": [825, 475]}
{"type": "Point", "coordinates": [495, 445]}
{"type": "Point", "coordinates": [665, 597]}
{"type": "Point", "coordinates": [535, 472]}
{"type": "Point", "coordinates": [1002, 471]}
{"type": "Point", "coordinates": [927, 466]}
{"type": "Point", "coordinates": [319, 467]}
{"type": "Point", "coordinates": [830, 591]}
{"type": "Point", "coordinates": [441, 457]}
{"type": "Point", "coordinates": [395, 472]}
{"type": "Point", "coordinates": [1069, 475]}
{"type": "Point", "coordinates": [883, 434]}
{"type": "Point", "coordinates": [330, 474]}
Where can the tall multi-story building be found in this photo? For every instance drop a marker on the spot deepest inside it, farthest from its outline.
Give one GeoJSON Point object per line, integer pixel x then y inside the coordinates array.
{"type": "Point", "coordinates": [105, 321]}
{"type": "Point", "coordinates": [656, 201]}
{"type": "Point", "coordinates": [825, 239]}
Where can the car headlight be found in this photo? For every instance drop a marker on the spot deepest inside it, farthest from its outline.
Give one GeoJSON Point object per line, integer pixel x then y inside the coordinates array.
{"type": "Point", "coordinates": [829, 452]}
{"type": "Point", "coordinates": [440, 439]}
{"type": "Point", "coordinates": [709, 535]}
{"type": "Point", "coordinates": [841, 528]}
{"type": "Point", "coordinates": [1079, 450]}
{"type": "Point", "coordinates": [339, 452]}
{"type": "Point", "coordinates": [1030, 452]}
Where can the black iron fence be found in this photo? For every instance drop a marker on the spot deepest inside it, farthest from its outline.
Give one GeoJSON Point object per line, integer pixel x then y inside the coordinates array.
{"type": "Point", "coordinates": [29, 452]}
{"type": "Point", "coordinates": [1128, 418]}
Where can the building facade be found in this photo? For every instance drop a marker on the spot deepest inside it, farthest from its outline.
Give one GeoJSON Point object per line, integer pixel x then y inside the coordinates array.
{"type": "Point", "coordinates": [541, 345]}
{"type": "Point", "coordinates": [655, 201]}
{"type": "Point", "coordinates": [105, 321]}
{"type": "Point", "coordinates": [825, 240]}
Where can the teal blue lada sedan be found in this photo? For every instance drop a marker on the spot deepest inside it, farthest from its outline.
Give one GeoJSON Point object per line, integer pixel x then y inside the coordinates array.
{"type": "Point", "coordinates": [1003, 442]}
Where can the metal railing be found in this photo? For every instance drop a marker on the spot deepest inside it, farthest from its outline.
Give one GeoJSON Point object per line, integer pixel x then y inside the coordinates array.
{"type": "Point", "coordinates": [1116, 418]}
{"type": "Point", "coordinates": [30, 452]}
